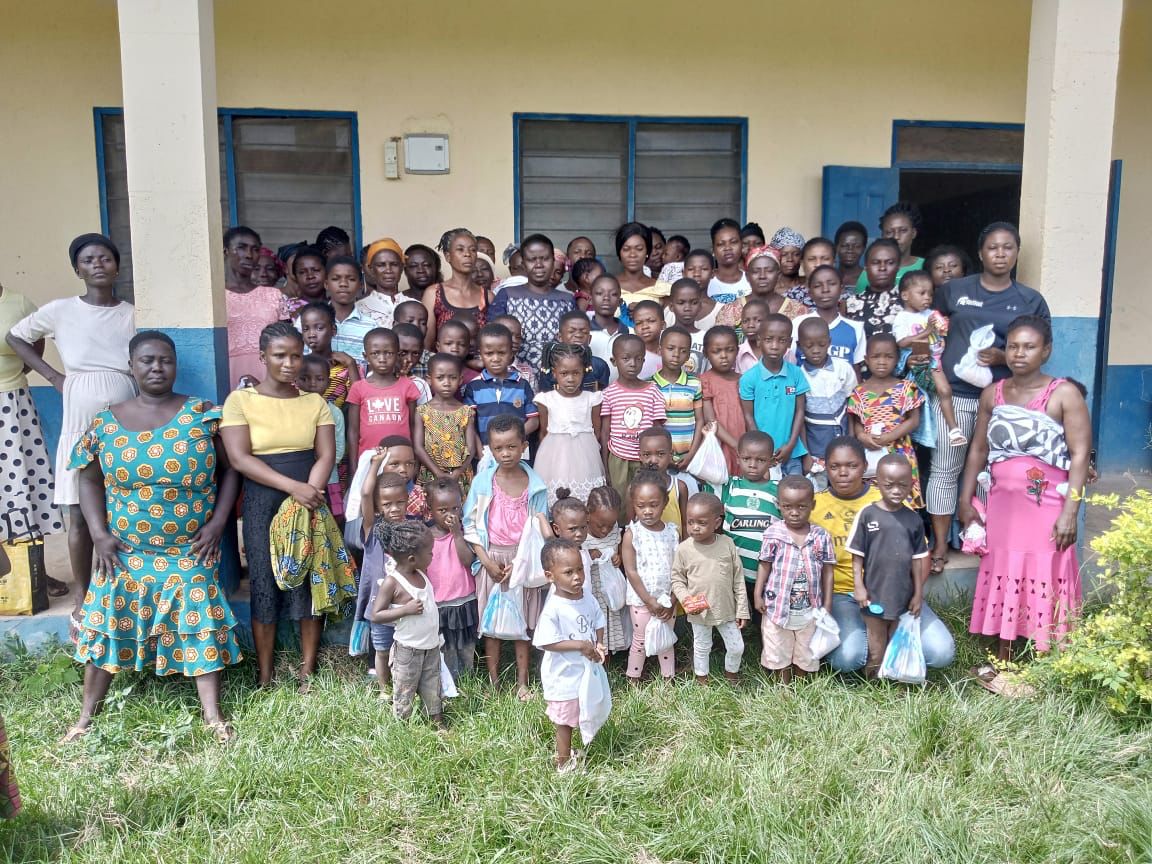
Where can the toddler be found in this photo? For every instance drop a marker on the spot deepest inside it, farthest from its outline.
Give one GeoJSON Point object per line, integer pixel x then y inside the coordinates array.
{"type": "Point", "coordinates": [708, 580]}
{"type": "Point", "coordinates": [568, 455]}
{"type": "Point", "coordinates": [656, 455]}
{"type": "Point", "coordinates": [450, 573]}
{"type": "Point", "coordinates": [444, 428]}
{"type": "Point", "coordinates": [795, 579]}
{"type": "Point", "coordinates": [603, 547]}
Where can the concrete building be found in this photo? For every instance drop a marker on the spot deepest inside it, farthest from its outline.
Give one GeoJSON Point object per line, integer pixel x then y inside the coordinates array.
{"type": "Point", "coordinates": [163, 119]}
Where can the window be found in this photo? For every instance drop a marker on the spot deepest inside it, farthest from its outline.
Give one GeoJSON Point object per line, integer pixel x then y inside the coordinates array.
{"type": "Point", "coordinates": [946, 144]}
{"type": "Point", "coordinates": [589, 175]}
{"type": "Point", "coordinates": [285, 174]}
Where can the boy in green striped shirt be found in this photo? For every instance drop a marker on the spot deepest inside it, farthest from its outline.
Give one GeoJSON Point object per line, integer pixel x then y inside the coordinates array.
{"type": "Point", "coordinates": [750, 500]}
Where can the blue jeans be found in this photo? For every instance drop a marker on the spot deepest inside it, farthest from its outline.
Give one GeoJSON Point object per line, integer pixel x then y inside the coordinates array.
{"type": "Point", "coordinates": [792, 466]}
{"type": "Point", "coordinates": [852, 652]}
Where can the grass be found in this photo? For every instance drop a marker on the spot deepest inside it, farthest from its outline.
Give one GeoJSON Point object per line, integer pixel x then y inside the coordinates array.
{"type": "Point", "coordinates": [828, 770]}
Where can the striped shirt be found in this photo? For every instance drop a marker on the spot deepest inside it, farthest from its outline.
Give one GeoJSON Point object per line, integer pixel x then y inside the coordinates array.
{"type": "Point", "coordinates": [792, 564]}
{"type": "Point", "coordinates": [350, 335]}
{"type": "Point", "coordinates": [749, 508]}
{"type": "Point", "coordinates": [683, 397]}
{"type": "Point", "coordinates": [509, 395]}
{"type": "Point", "coordinates": [630, 413]}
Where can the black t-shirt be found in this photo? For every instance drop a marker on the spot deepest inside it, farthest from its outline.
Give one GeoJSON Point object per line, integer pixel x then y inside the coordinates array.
{"type": "Point", "coordinates": [970, 305]}
{"type": "Point", "coordinates": [888, 541]}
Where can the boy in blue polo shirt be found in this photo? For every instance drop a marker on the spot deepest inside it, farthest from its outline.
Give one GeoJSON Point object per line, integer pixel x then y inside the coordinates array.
{"type": "Point", "coordinates": [772, 394]}
{"type": "Point", "coordinates": [499, 389]}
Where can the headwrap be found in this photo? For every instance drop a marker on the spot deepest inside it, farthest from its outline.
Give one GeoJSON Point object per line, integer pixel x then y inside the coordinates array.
{"type": "Point", "coordinates": [380, 245]}
{"type": "Point", "coordinates": [786, 237]}
{"type": "Point", "coordinates": [85, 240]}
{"type": "Point", "coordinates": [509, 250]}
{"type": "Point", "coordinates": [265, 252]}
{"type": "Point", "coordinates": [763, 252]}
{"type": "Point", "coordinates": [487, 258]}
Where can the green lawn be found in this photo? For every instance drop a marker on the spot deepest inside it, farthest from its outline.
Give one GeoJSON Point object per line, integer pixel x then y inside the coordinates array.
{"type": "Point", "coordinates": [826, 771]}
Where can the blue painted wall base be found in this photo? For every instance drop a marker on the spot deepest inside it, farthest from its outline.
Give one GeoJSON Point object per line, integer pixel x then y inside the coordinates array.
{"type": "Point", "coordinates": [1126, 420]}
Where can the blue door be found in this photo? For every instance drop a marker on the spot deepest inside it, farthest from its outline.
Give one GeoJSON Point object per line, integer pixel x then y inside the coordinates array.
{"type": "Point", "coordinates": [860, 194]}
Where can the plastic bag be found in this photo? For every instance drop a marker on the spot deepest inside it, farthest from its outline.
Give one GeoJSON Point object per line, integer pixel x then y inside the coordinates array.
{"type": "Point", "coordinates": [595, 700]}
{"type": "Point", "coordinates": [502, 618]}
{"type": "Point", "coordinates": [359, 638]}
{"type": "Point", "coordinates": [709, 463]}
{"type": "Point", "coordinates": [659, 636]}
{"type": "Point", "coordinates": [826, 637]}
{"type": "Point", "coordinates": [527, 571]}
{"type": "Point", "coordinates": [904, 659]}
{"type": "Point", "coordinates": [974, 538]}
{"type": "Point", "coordinates": [447, 685]}
{"type": "Point", "coordinates": [612, 585]}
{"type": "Point", "coordinates": [968, 367]}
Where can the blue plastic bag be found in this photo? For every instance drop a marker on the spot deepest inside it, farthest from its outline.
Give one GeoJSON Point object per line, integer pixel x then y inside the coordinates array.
{"type": "Point", "coordinates": [503, 618]}
{"type": "Point", "coordinates": [904, 659]}
{"type": "Point", "coordinates": [360, 638]}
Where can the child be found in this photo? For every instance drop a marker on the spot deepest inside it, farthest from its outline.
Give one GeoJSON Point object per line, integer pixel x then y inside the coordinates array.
{"type": "Point", "coordinates": [690, 308]}
{"type": "Point", "coordinates": [847, 337]}
{"type": "Point", "coordinates": [413, 312]}
{"type": "Point", "coordinates": [343, 280]}
{"type": "Point", "coordinates": [751, 318]}
{"type": "Point", "coordinates": [503, 496]}
{"type": "Point", "coordinates": [795, 579]}
{"type": "Point", "coordinates": [381, 404]}
{"type": "Point", "coordinates": [720, 387]}
{"type": "Point", "coordinates": [308, 273]}
{"type": "Point", "coordinates": [647, 550]}
{"type": "Point", "coordinates": [568, 454]}
{"type": "Point", "coordinates": [656, 455]}
{"type": "Point", "coordinates": [314, 372]}
{"type": "Point", "coordinates": [317, 323]}
{"type": "Point", "coordinates": [886, 409]}
{"type": "Point", "coordinates": [538, 304]}
{"type": "Point", "coordinates": [918, 323]}
{"type": "Point", "coordinates": [700, 267]}
{"type": "Point", "coordinates": [571, 632]}
{"type": "Point", "coordinates": [750, 501]}
{"type": "Point", "coordinates": [405, 601]}
{"type": "Point", "coordinates": [499, 389]}
{"type": "Point", "coordinates": [772, 394]}
{"type": "Point", "coordinates": [410, 355]}
{"type": "Point", "coordinates": [455, 337]}
{"type": "Point", "coordinates": [605, 327]}
{"type": "Point", "coordinates": [707, 579]}
{"type": "Point", "coordinates": [629, 406]}
{"type": "Point", "coordinates": [527, 371]}
{"type": "Point", "coordinates": [574, 330]}
{"type": "Point", "coordinates": [603, 547]}
{"type": "Point", "coordinates": [580, 282]}
{"type": "Point", "coordinates": [889, 558]}
{"type": "Point", "coordinates": [648, 323]}
{"type": "Point", "coordinates": [830, 383]}
{"type": "Point", "coordinates": [683, 395]}
{"type": "Point", "coordinates": [450, 573]}
{"type": "Point", "coordinates": [444, 429]}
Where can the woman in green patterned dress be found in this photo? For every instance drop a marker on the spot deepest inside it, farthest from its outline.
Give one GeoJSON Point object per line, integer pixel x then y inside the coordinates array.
{"type": "Point", "coordinates": [156, 490]}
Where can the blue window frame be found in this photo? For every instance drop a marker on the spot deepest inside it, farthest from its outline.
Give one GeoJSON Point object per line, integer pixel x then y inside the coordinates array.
{"type": "Point", "coordinates": [286, 174]}
{"type": "Point", "coordinates": [585, 174]}
{"type": "Point", "coordinates": [957, 145]}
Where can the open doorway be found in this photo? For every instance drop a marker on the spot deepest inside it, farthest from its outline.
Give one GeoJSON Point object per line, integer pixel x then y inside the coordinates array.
{"type": "Point", "coordinates": [956, 205]}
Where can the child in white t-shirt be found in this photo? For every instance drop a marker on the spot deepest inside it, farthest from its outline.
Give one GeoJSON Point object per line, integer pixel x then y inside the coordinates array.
{"type": "Point", "coordinates": [571, 633]}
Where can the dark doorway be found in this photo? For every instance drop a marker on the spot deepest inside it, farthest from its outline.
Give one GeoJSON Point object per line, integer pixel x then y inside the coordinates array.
{"type": "Point", "coordinates": [957, 204]}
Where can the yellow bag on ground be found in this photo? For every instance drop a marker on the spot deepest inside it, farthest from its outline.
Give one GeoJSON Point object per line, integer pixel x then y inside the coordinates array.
{"type": "Point", "coordinates": [24, 588]}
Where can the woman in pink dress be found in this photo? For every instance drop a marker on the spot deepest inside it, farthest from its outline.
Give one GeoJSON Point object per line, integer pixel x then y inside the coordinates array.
{"type": "Point", "coordinates": [1034, 435]}
{"type": "Point", "coordinates": [250, 307]}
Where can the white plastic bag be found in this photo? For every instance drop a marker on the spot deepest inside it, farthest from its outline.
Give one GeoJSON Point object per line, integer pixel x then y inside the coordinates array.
{"type": "Point", "coordinates": [968, 368]}
{"type": "Point", "coordinates": [904, 659]}
{"type": "Point", "coordinates": [826, 637]}
{"type": "Point", "coordinates": [527, 571]}
{"type": "Point", "coordinates": [595, 700]}
{"type": "Point", "coordinates": [502, 618]}
{"type": "Point", "coordinates": [447, 685]}
{"type": "Point", "coordinates": [709, 463]}
{"type": "Point", "coordinates": [659, 636]}
{"type": "Point", "coordinates": [612, 585]}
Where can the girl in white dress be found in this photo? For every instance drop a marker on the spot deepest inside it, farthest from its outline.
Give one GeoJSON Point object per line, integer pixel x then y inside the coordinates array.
{"type": "Point", "coordinates": [569, 455]}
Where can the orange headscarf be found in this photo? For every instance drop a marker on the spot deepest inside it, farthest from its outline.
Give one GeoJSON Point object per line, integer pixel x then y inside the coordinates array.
{"type": "Point", "coordinates": [382, 244]}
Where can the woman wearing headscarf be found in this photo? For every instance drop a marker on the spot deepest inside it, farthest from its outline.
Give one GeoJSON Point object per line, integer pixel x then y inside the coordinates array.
{"type": "Point", "coordinates": [91, 333]}
{"type": "Point", "coordinates": [384, 260]}
{"type": "Point", "coordinates": [790, 243]}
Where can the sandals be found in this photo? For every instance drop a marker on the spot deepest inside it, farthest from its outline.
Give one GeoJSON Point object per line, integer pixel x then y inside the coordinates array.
{"type": "Point", "coordinates": [956, 437]}
{"type": "Point", "coordinates": [525, 694]}
{"type": "Point", "coordinates": [75, 733]}
{"type": "Point", "coordinates": [937, 564]}
{"type": "Point", "coordinates": [56, 588]}
{"type": "Point", "coordinates": [1008, 684]}
{"type": "Point", "coordinates": [221, 729]}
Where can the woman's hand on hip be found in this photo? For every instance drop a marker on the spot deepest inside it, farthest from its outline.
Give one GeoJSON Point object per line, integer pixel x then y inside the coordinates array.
{"type": "Point", "coordinates": [105, 555]}
{"type": "Point", "coordinates": [206, 543]}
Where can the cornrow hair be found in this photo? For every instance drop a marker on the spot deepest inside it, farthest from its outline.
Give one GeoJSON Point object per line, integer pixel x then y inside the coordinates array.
{"type": "Point", "coordinates": [330, 237]}
{"type": "Point", "coordinates": [320, 306]}
{"type": "Point", "coordinates": [554, 351]}
{"type": "Point", "coordinates": [279, 330]}
{"type": "Point", "coordinates": [566, 503]}
{"type": "Point", "coordinates": [448, 236]}
{"type": "Point", "coordinates": [401, 539]}
{"type": "Point", "coordinates": [906, 209]}
{"type": "Point", "coordinates": [604, 498]}
{"type": "Point", "coordinates": [554, 547]}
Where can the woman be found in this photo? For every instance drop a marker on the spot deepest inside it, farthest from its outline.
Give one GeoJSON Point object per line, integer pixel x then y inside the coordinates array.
{"type": "Point", "coordinates": [421, 268]}
{"type": "Point", "coordinates": [945, 263]}
{"type": "Point", "coordinates": [728, 282]}
{"type": "Point", "coordinates": [384, 259]}
{"type": "Point", "coordinates": [878, 304]}
{"type": "Point", "coordinates": [251, 305]}
{"type": "Point", "coordinates": [484, 273]}
{"type": "Point", "coordinates": [790, 244]}
{"type": "Point", "coordinates": [991, 297]}
{"type": "Point", "coordinates": [91, 333]}
{"type": "Point", "coordinates": [751, 237]}
{"type": "Point", "coordinates": [655, 262]}
{"type": "Point", "coordinates": [156, 492]}
{"type": "Point", "coordinates": [900, 222]}
{"type": "Point", "coordinates": [835, 511]}
{"type": "Point", "coordinates": [283, 443]}
{"type": "Point", "coordinates": [26, 497]}
{"type": "Point", "coordinates": [458, 293]}
{"type": "Point", "coordinates": [1034, 435]}
{"type": "Point", "coordinates": [633, 243]}
{"type": "Point", "coordinates": [267, 270]}
{"type": "Point", "coordinates": [850, 240]}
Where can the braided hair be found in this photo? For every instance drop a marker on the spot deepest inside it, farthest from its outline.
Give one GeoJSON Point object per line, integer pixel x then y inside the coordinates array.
{"type": "Point", "coordinates": [554, 351]}
{"type": "Point", "coordinates": [604, 498]}
{"type": "Point", "coordinates": [401, 539]}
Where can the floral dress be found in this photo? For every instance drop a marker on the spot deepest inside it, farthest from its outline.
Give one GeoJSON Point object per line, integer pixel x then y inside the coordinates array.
{"type": "Point", "coordinates": [445, 441]}
{"type": "Point", "coordinates": [161, 609]}
{"type": "Point", "coordinates": [880, 413]}
{"type": "Point", "coordinates": [876, 310]}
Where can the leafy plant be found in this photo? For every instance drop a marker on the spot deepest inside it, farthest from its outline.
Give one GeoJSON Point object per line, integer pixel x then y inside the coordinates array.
{"type": "Point", "coordinates": [1110, 651]}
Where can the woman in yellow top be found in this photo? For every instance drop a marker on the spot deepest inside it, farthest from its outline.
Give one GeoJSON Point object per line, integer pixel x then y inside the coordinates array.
{"type": "Point", "coordinates": [284, 444]}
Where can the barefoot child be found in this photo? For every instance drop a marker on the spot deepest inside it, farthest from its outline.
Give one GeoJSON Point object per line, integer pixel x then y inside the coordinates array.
{"type": "Point", "coordinates": [647, 551]}
{"type": "Point", "coordinates": [889, 558]}
{"type": "Point", "coordinates": [406, 602]}
{"type": "Point", "coordinates": [444, 428]}
{"type": "Point", "coordinates": [721, 389]}
{"type": "Point", "coordinates": [568, 455]}
{"type": "Point", "coordinates": [797, 560]}
{"type": "Point", "coordinates": [503, 496]}
{"type": "Point", "coordinates": [571, 631]}
{"type": "Point", "coordinates": [708, 580]}
{"type": "Point", "coordinates": [450, 573]}
{"type": "Point", "coordinates": [603, 547]}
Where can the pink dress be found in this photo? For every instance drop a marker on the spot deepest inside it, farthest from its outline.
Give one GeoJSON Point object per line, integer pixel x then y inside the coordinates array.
{"type": "Point", "coordinates": [1026, 587]}
{"type": "Point", "coordinates": [507, 517]}
{"type": "Point", "coordinates": [725, 398]}
{"type": "Point", "coordinates": [248, 314]}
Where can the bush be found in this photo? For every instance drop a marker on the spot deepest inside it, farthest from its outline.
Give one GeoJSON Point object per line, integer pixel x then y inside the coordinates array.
{"type": "Point", "coordinates": [1109, 654]}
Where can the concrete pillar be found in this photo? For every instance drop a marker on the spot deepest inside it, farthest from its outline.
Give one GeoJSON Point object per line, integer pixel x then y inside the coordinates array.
{"type": "Point", "coordinates": [168, 66]}
{"type": "Point", "coordinates": [1073, 57]}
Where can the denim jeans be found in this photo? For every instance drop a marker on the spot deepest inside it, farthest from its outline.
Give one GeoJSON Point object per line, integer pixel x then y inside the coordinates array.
{"type": "Point", "coordinates": [852, 652]}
